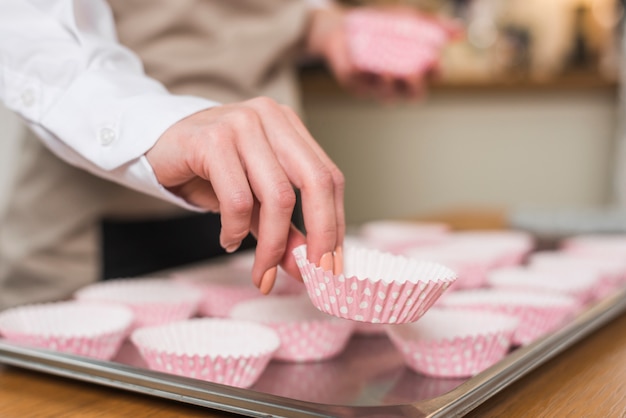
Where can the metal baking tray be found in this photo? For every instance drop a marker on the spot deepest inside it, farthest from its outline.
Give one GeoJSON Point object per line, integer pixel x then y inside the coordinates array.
{"type": "Point", "coordinates": [368, 379]}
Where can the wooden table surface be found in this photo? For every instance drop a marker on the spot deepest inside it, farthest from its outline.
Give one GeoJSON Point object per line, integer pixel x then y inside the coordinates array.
{"type": "Point", "coordinates": [587, 380]}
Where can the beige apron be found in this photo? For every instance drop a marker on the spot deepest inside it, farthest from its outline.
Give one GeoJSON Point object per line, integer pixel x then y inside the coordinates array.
{"type": "Point", "coordinates": [226, 50]}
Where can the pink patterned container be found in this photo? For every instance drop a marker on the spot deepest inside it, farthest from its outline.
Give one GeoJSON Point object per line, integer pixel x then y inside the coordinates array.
{"type": "Point", "coordinates": [221, 287]}
{"type": "Point", "coordinates": [375, 287]}
{"type": "Point", "coordinates": [454, 343]}
{"type": "Point", "coordinates": [306, 334]}
{"type": "Point", "coordinates": [538, 313]}
{"type": "Point", "coordinates": [509, 247]}
{"type": "Point", "coordinates": [218, 350]}
{"type": "Point", "coordinates": [470, 264]}
{"type": "Point", "coordinates": [90, 330]}
{"type": "Point", "coordinates": [579, 284]}
{"type": "Point", "coordinates": [395, 236]}
{"type": "Point", "coordinates": [398, 45]}
{"type": "Point", "coordinates": [153, 301]}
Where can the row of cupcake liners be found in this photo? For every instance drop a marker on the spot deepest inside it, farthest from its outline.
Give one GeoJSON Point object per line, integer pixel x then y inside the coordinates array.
{"type": "Point", "coordinates": [379, 291]}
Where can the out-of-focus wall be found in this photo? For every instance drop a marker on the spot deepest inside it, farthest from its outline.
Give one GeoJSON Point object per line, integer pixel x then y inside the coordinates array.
{"type": "Point", "coordinates": [470, 149]}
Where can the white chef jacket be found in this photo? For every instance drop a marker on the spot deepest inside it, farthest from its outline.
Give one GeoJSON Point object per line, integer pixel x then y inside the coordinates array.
{"type": "Point", "coordinates": [85, 95]}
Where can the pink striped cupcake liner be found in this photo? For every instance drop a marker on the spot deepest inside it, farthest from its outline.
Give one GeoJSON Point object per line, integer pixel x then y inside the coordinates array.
{"type": "Point", "coordinates": [453, 342]}
{"type": "Point", "coordinates": [306, 334]}
{"type": "Point", "coordinates": [84, 329]}
{"type": "Point", "coordinates": [375, 287]}
{"type": "Point", "coordinates": [225, 351]}
{"type": "Point", "coordinates": [153, 301]}
{"type": "Point", "coordinates": [539, 313]}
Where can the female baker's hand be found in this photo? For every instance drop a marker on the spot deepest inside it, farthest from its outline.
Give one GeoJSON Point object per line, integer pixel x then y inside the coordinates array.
{"type": "Point", "coordinates": [243, 160]}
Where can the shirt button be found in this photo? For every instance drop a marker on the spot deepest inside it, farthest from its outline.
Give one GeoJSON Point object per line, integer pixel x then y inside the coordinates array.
{"type": "Point", "coordinates": [107, 136]}
{"type": "Point", "coordinates": [28, 97]}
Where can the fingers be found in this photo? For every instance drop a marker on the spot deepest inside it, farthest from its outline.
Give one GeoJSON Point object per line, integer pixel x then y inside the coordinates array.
{"type": "Point", "coordinates": [308, 172]}
{"type": "Point", "coordinates": [337, 177]}
{"type": "Point", "coordinates": [244, 160]}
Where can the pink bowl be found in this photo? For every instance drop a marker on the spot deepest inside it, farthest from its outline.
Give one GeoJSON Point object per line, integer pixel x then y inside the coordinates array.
{"type": "Point", "coordinates": [375, 287]}
{"type": "Point", "coordinates": [84, 329]}
{"type": "Point", "coordinates": [153, 301]}
{"type": "Point", "coordinates": [225, 351]}
{"type": "Point", "coordinates": [454, 342]}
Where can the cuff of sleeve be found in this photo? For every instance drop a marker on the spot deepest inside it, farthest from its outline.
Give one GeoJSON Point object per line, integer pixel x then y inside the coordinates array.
{"type": "Point", "coordinates": [139, 175]}
{"type": "Point", "coordinates": [115, 122]}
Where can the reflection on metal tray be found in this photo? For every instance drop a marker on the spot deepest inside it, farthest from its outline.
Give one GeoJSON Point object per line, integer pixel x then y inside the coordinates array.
{"type": "Point", "coordinates": [368, 379]}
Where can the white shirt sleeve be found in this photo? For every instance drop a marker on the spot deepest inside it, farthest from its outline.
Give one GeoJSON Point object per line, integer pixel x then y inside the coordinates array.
{"type": "Point", "coordinates": [87, 97]}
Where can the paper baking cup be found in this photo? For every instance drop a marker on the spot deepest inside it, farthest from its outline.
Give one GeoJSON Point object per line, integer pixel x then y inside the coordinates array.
{"type": "Point", "coordinates": [306, 334]}
{"type": "Point", "coordinates": [597, 244]}
{"type": "Point", "coordinates": [226, 351]}
{"type": "Point", "coordinates": [579, 284]}
{"type": "Point", "coordinates": [153, 301]}
{"type": "Point", "coordinates": [538, 313]}
{"type": "Point", "coordinates": [90, 330]}
{"type": "Point", "coordinates": [454, 343]}
{"type": "Point", "coordinates": [375, 287]}
{"type": "Point", "coordinates": [393, 44]}
{"type": "Point", "coordinates": [221, 287]}
{"type": "Point", "coordinates": [394, 236]}
{"type": "Point", "coordinates": [470, 264]}
{"type": "Point", "coordinates": [608, 270]}
{"type": "Point", "coordinates": [509, 247]}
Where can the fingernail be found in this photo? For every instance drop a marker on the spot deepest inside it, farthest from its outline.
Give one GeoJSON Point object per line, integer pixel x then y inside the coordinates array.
{"type": "Point", "coordinates": [231, 248]}
{"type": "Point", "coordinates": [267, 281]}
{"type": "Point", "coordinates": [326, 262]}
{"type": "Point", "coordinates": [338, 260]}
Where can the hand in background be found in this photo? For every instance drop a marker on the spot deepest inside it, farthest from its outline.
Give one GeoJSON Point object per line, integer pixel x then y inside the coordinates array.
{"type": "Point", "coordinates": [385, 53]}
{"type": "Point", "coordinates": [243, 160]}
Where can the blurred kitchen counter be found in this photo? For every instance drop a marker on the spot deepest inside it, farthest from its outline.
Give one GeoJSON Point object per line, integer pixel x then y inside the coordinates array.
{"type": "Point", "coordinates": [317, 81]}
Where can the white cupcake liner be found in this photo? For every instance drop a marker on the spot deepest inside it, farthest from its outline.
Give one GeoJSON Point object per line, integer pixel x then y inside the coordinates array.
{"type": "Point", "coordinates": [218, 350]}
{"type": "Point", "coordinates": [576, 283]}
{"type": "Point", "coordinates": [221, 287]}
{"type": "Point", "coordinates": [306, 334]}
{"type": "Point", "coordinates": [611, 270]}
{"type": "Point", "coordinates": [454, 343]}
{"type": "Point", "coordinates": [471, 264]}
{"type": "Point", "coordinates": [394, 236]}
{"type": "Point", "coordinates": [538, 312]}
{"type": "Point", "coordinates": [90, 330]}
{"type": "Point", "coordinates": [612, 245]}
{"type": "Point", "coordinates": [509, 247]}
{"type": "Point", "coordinates": [154, 301]}
{"type": "Point", "coordinates": [375, 287]}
